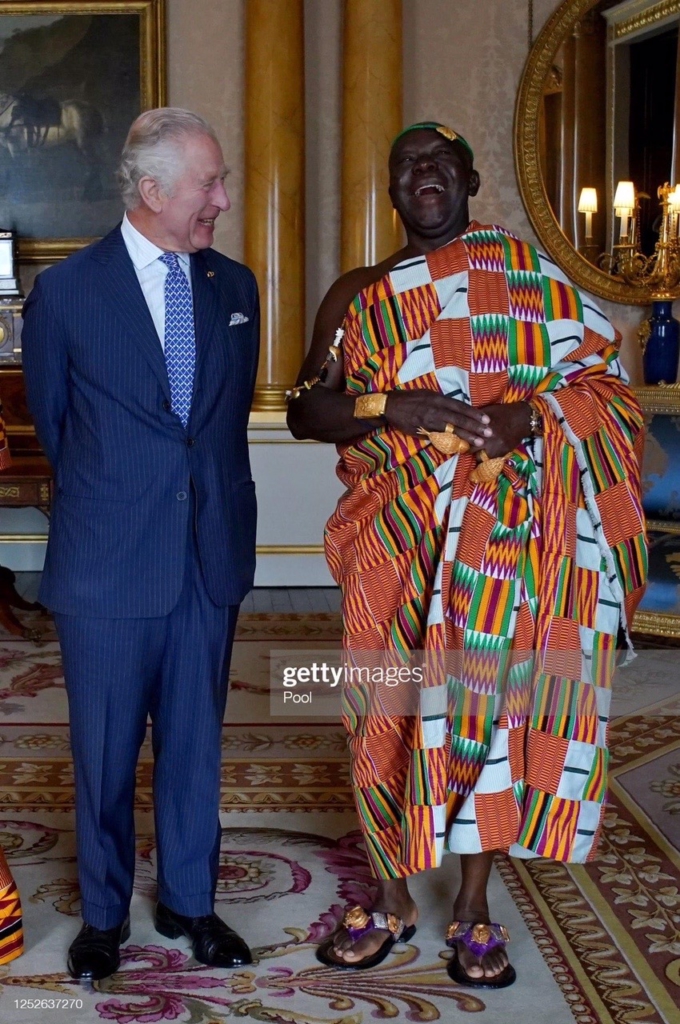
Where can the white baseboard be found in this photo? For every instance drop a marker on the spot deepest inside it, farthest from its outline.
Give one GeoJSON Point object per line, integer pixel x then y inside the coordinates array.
{"type": "Point", "coordinates": [292, 571]}
{"type": "Point", "coordinates": [23, 556]}
{"type": "Point", "coordinates": [297, 490]}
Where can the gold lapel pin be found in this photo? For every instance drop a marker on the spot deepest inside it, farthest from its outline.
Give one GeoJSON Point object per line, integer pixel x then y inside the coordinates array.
{"type": "Point", "coordinates": [211, 273]}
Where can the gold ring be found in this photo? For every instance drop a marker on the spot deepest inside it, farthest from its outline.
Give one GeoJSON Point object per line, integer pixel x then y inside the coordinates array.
{"type": "Point", "coordinates": [447, 441]}
{"type": "Point", "coordinates": [486, 469]}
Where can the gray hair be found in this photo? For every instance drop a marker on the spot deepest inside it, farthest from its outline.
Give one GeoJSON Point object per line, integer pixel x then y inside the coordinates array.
{"type": "Point", "coordinates": [152, 148]}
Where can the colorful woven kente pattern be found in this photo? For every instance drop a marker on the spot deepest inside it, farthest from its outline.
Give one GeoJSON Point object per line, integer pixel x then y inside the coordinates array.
{"type": "Point", "coordinates": [11, 930]}
{"type": "Point", "coordinates": [533, 577]}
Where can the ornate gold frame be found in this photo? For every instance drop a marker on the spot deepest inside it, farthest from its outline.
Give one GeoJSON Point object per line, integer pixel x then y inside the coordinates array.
{"type": "Point", "coordinates": [659, 401]}
{"type": "Point", "coordinates": [645, 18]}
{"type": "Point", "coordinates": [528, 166]}
{"type": "Point", "coordinates": [152, 65]}
{"type": "Point", "coordinates": [657, 624]}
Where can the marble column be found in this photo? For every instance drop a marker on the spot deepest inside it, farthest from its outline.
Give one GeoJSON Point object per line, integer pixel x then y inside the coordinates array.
{"type": "Point", "coordinates": [275, 189]}
{"type": "Point", "coordinates": [371, 117]}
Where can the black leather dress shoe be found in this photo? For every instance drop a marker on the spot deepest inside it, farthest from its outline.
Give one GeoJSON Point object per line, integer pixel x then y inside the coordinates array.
{"type": "Point", "coordinates": [213, 942]}
{"type": "Point", "coordinates": [95, 954]}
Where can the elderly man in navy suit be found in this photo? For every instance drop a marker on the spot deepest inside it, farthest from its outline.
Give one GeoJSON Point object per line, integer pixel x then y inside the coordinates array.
{"type": "Point", "coordinates": [140, 354]}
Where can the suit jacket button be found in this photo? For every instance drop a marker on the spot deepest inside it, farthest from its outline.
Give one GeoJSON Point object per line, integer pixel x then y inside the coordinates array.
{"type": "Point", "coordinates": [191, 442]}
{"type": "Point", "coordinates": [166, 405]}
{"type": "Point", "coordinates": [182, 496]}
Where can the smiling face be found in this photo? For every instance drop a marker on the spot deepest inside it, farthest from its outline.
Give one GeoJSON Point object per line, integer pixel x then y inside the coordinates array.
{"type": "Point", "coordinates": [431, 180]}
{"type": "Point", "coordinates": [183, 218]}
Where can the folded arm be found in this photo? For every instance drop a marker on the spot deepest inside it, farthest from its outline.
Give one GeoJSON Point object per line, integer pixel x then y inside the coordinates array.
{"type": "Point", "coordinates": [326, 413]}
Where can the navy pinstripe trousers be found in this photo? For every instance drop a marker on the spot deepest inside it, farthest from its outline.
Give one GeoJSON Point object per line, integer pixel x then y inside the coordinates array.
{"type": "Point", "coordinates": [175, 669]}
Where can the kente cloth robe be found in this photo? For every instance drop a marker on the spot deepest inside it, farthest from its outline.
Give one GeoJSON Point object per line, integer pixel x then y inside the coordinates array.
{"type": "Point", "coordinates": [528, 580]}
{"type": "Point", "coordinates": [11, 931]}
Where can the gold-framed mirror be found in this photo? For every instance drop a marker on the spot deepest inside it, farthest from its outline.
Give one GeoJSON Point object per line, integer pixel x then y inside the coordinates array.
{"type": "Point", "coordinates": [599, 104]}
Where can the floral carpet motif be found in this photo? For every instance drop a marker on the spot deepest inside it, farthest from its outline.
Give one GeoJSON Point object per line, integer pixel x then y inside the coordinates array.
{"type": "Point", "coordinates": [285, 764]}
{"type": "Point", "coordinates": [669, 787]}
{"type": "Point", "coordinates": [284, 887]}
{"type": "Point", "coordinates": [596, 944]}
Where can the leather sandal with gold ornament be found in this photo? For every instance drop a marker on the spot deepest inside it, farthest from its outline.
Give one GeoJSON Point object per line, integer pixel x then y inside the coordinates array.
{"type": "Point", "coordinates": [357, 922]}
{"type": "Point", "coordinates": [480, 939]}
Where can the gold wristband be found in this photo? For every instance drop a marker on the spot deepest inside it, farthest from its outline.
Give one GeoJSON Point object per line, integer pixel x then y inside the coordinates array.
{"type": "Point", "coordinates": [370, 407]}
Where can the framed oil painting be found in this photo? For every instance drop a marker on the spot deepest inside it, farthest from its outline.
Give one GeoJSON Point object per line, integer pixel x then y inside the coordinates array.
{"type": "Point", "coordinates": [73, 76]}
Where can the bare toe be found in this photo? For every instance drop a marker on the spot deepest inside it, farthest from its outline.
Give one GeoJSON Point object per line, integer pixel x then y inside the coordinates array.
{"type": "Point", "coordinates": [341, 943]}
{"type": "Point", "coordinates": [366, 947]}
{"type": "Point", "coordinates": [469, 962]}
{"type": "Point", "coordinates": [492, 965]}
{"type": "Point", "coordinates": [480, 951]}
{"type": "Point", "coordinates": [344, 947]}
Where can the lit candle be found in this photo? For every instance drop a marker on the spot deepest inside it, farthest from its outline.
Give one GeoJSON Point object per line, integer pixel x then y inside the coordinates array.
{"type": "Point", "coordinates": [674, 211]}
{"type": "Point", "coordinates": [588, 204]}
{"type": "Point", "coordinates": [624, 206]}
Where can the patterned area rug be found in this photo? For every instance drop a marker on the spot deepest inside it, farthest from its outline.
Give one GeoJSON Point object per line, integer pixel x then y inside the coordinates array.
{"type": "Point", "coordinates": [590, 944]}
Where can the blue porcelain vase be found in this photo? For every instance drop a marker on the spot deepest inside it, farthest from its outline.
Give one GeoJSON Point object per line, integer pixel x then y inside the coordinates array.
{"type": "Point", "coordinates": [660, 359]}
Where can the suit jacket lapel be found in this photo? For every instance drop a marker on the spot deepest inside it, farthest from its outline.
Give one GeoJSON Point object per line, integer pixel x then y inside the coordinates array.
{"type": "Point", "coordinates": [206, 304]}
{"type": "Point", "coordinates": [124, 294]}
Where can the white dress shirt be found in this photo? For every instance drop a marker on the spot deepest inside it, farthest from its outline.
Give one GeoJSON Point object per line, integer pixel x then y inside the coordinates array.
{"type": "Point", "coordinates": [151, 273]}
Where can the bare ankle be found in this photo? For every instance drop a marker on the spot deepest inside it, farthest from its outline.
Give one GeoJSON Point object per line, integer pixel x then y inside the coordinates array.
{"type": "Point", "coordinates": [392, 897]}
{"type": "Point", "coordinates": [471, 908]}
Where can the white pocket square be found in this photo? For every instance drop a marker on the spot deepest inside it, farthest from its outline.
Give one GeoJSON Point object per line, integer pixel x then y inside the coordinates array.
{"type": "Point", "coordinates": [238, 318]}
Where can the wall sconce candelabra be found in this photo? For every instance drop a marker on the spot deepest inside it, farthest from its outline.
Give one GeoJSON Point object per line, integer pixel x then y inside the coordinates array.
{"type": "Point", "coordinates": [658, 275]}
{"type": "Point", "coordinates": [588, 204]}
{"type": "Point", "coordinates": [625, 206]}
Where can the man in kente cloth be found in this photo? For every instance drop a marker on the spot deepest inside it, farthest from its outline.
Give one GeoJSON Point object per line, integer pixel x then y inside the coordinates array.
{"type": "Point", "coordinates": [490, 445]}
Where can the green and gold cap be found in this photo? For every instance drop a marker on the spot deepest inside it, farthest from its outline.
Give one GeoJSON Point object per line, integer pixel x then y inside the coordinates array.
{"type": "Point", "coordinates": [448, 133]}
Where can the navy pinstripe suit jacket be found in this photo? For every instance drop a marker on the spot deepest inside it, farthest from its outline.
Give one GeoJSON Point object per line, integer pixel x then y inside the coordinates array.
{"type": "Point", "coordinates": [124, 465]}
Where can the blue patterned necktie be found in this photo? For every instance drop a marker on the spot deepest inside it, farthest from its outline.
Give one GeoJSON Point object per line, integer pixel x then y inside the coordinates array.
{"type": "Point", "coordinates": [180, 339]}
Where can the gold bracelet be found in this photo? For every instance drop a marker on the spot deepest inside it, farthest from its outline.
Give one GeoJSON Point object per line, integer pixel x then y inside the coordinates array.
{"type": "Point", "coordinates": [370, 407]}
{"type": "Point", "coordinates": [332, 357]}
